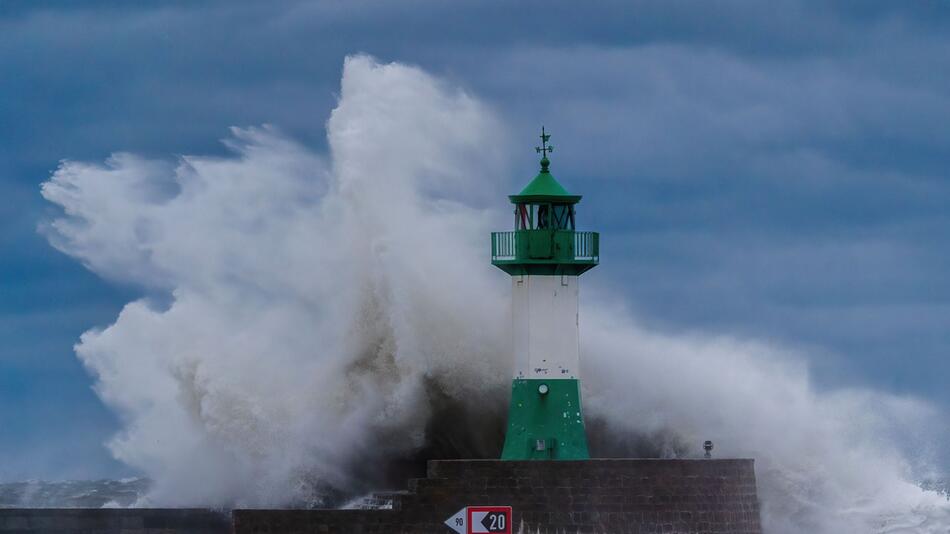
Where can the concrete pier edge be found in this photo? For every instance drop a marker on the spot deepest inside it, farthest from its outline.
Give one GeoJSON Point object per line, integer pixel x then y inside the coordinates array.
{"type": "Point", "coordinates": [598, 496]}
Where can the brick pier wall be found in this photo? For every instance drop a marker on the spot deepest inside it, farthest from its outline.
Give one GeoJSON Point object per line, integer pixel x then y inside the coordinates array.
{"type": "Point", "coordinates": [575, 497]}
{"type": "Point", "coordinates": [585, 497]}
{"type": "Point", "coordinates": [113, 521]}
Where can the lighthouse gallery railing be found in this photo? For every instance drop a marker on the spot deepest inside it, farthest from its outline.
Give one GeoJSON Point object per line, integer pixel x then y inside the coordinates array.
{"type": "Point", "coordinates": [516, 245]}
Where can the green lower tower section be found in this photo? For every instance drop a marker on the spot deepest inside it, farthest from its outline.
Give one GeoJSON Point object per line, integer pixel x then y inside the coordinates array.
{"type": "Point", "coordinates": [545, 421]}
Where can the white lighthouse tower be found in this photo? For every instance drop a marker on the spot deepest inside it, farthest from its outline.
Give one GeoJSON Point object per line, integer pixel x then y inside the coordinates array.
{"type": "Point", "coordinates": [545, 256]}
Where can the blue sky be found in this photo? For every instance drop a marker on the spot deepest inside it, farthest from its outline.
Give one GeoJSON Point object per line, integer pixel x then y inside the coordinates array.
{"type": "Point", "coordinates": [772, 170]}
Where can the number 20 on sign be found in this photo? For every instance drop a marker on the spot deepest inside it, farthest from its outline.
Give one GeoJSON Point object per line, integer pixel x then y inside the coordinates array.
{"type": "Point", "coordinates": [481, 520]}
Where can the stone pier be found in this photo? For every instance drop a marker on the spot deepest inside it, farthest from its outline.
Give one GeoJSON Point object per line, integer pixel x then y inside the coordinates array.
{"type": "Point", "coordinates": [550, 497]}
{"type": "Point", "coordinates": [547, 497]}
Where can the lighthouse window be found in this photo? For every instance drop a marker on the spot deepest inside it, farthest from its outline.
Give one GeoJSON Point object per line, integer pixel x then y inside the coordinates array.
{"type": "Point", "coordinates": [523, 217]}
{"type": "Point", "coordinates": [544, 216]}
{"type": "Point", "coordinates": [563, 216]}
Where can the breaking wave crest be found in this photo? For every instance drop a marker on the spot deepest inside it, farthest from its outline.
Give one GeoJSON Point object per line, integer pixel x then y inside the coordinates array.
{"type": "Point", "coordinates": [317, 325]}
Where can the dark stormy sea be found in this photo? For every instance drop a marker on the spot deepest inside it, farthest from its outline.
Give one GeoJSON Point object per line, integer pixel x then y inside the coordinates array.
{"type": "Point", "coordinates": [73, 493]}
{"type": "Point", "coordinates": [128, 492]}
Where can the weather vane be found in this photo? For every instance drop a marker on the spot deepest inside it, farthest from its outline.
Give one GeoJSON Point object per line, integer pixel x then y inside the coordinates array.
{"type": "Point", "coordinates": [544, 148]}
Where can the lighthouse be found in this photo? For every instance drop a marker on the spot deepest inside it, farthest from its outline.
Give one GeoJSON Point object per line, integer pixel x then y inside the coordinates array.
{"type": "Point", "coordinates": [545, 256]}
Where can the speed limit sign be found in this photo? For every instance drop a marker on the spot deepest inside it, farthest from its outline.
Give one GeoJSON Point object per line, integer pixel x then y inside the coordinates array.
{"type": "Point", "coordinates": [481, 520]}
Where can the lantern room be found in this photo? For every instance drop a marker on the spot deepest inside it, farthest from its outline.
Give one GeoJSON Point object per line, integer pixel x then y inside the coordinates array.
{"type": "Point", "coordinates": [545, 239]}
{"type": "Point", "coordinates": [544, 204]}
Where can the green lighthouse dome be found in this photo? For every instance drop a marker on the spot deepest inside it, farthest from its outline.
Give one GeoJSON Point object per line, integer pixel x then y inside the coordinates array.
{"type": "Point", "coordinates": [544, 188]}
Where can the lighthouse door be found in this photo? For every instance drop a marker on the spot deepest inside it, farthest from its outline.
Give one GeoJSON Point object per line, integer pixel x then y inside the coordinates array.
{"type": "Point", "coordinates": [540, 238]}
{"type": "Point", "coordinates": [539, 244]}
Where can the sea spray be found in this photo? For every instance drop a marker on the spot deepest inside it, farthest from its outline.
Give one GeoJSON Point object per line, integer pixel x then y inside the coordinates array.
{"type": "Point", "coordinates": [331, 320]}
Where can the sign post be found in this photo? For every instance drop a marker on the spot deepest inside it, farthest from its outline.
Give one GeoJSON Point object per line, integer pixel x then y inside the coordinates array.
{"type": "Point", "coordinates": [481, 520]}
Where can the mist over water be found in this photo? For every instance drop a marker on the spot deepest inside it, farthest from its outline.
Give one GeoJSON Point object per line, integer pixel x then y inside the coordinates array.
{"type": "Point", "coordinates": [321, 323]}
